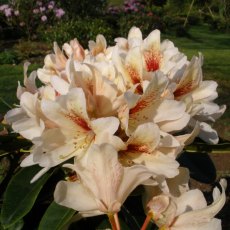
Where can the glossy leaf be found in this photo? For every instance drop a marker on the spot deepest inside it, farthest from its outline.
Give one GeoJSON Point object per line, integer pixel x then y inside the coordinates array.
{"type": "Point", "coordinates": [4, 168]}
{"type": "Point", "coordinates": [200, 166]}
{"type": "Point", "coordinates": [17, 226]}
{"type": "Point", "coordinates": [55, 217]}
{"type": "Point", "coordinates": [20, 195]}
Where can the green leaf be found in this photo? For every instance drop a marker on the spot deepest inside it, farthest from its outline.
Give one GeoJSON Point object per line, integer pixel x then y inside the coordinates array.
{"type": "Point", "coordinates": [20, 195]}
{"type": "Point", "coordinates": [200, 166]}
{"type": "Point", "coordinates": [55, 217]}
{"type": "Point", "coordinates": [4, 168]}
{"type": "Point", "coordinates": [17, 226]}
{"type": "Point", "coordinates": [106, 225]}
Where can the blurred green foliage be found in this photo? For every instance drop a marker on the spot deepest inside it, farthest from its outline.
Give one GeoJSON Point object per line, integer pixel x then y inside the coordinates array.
{"type": "Point", "coordinates": [85, 19]}
{"type": "Point", "coordinates": [8, 57]}
{"type": "Point", "coordinates": [92, 8]}
{"type": "Point", "coordinates": [83, 29]}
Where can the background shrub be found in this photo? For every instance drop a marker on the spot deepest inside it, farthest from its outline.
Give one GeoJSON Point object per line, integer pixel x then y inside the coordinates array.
{"type": "Point", "coordinates": [30, 49]}
{"type": "Point", "coordinates": [84, 29]}
{"type": "Point", "coordinates": [146, 23]}
{"type": "Point", "coordinates": [8, 57]}
{"type": "Point", "coordinates": [92, 8]}
{"type": "Point", "coordinates": [221, 24]}
{"type": "Point", "coordinates": [27, 15]}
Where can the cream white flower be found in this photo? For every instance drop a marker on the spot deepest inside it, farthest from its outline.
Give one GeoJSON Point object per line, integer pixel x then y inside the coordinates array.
{"type": "Point", "coordinates": [73, 133]}
{"type": "Point", "coordinates": [75, 50]}
{"type": "Point", "coordinates": [155, 55]}
{"type": "Point", "coordinates": [29, 82]}
{"type": "Point", "coordinates": [152, 107]}
{"type": "Point", "coordinates": [151, 147]}
{"type": "Point", "coordinates": [27, 119]}
{"type": "Point", "coordinates": [102, 95]}
{"type": "Point", "coordinates": [130, 67]}
{"type": "Point", "coordinates": [98, 50]}
{"type": "Point", "coordinates": [99, 46]}
{"type": "Point", "coordinates": [122, 114]}
{"type": "Point", "coordinates": [54, 65]}
{"type": "Point", "coordinates": [198, 96]}
{"type": "Point", "coordinates": [189, 210]}
{"type": "Point", "coordinates": [103, 185]}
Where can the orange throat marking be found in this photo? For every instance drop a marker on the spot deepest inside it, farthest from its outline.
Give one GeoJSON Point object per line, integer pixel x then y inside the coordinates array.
{"type": "Point", "coordinates": [138, 148]}
{"type": "Point", "coordinates": [152, 60]}
{"type": "Point", "coordinates": [79, 121]}
{"type": "Point", "coordinates": [135, 77]}
{"type": "Point", "coordinates": [184, 89]}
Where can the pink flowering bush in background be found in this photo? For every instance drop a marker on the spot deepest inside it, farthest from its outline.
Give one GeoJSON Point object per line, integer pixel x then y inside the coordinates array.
{"type": "Point", "coordinates": [27, 16]}
{"type": "Point", "coordinates": [129, 6]}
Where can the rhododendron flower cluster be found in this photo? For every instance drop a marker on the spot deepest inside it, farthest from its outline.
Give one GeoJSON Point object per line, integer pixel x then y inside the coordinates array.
{"type": "Point", "coordinates": [121, 114]}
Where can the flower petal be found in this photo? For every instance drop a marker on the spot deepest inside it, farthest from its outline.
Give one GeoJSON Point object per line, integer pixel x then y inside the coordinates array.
{"type": "Point", "coordinates": [191, 78]}
{"type": "Point", "coordinates": [208, 134]}
{"type": "Point", "coordinates": [74, 195]}
{"type": "Point", "coordinates": [60, 85]}
{"type": "Point", "coordinates": [105, 124]}
{"type": "Point", "coordinates": [205, 92]}
{"type": "Point", "coordinates": [133, 65]}
{"type": "Point", "coordinates": [214, 224]}
{"type": "Point", "coordinates": [175, 125]}
{"type": "Point", "coordinates": [132, 177]}
{"type": "Point", "coordinates": [179, 184]}
{"type": "Point", "coordinates": [203, 215]}
{"type": "Point", "coordinates": [158, 163]}
{"type": "Point", "coordinates": [147, 135]}
{"type": "Point", "coordinates": [39, 174]}
{"type": "Point", "coordinates": [175, 110]}
{"type": "Point", "coordinates": [189, 201]}
{"type": "Point", "coordinates": [29, 127]}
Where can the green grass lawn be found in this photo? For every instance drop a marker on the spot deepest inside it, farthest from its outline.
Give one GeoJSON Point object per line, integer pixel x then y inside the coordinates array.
{"type": "Point", "coordinates": [9, 77]}
{"type": "Point", "coordinates": [213, 45]}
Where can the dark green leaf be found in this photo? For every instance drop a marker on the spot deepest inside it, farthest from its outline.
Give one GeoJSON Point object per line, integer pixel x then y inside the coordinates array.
{"type": "Point", "coordinates": [106, 225]}
{"type": "Point", "coordinates": [200, 166]}
{"type": "Point", "coordinates": [17, 226]}
{"type": "Point", "coordinates": [20, 195]}
{"type": "Point", "coordinates": [4, 168]}
{"type": "Point", "coordinates": [12, 142]}
{"type": "Point", "coordinates": [55, 217]}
